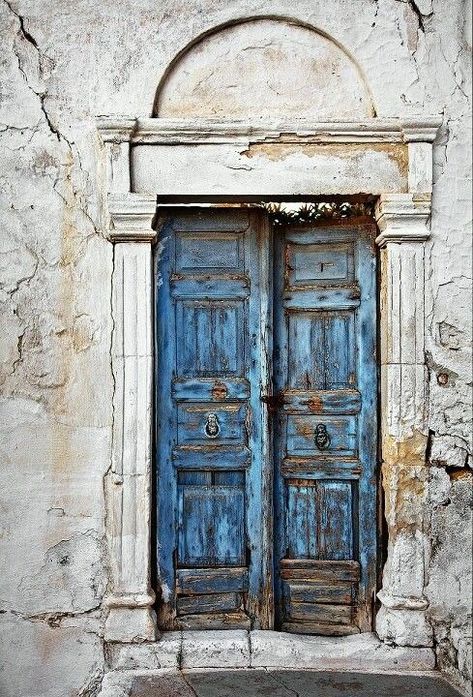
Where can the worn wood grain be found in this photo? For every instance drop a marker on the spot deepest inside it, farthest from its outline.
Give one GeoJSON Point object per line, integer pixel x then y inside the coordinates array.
{"type": "Point", "coordinates": [227, 620]}
{"type": "Point", "coordinates": [340, 592]}
{"type": "Point", "coordinates": [215, 602]}
{"type": "Point", "coordinates": [320, 628]}
{"type": "Point", "coordinates": [212, 580]}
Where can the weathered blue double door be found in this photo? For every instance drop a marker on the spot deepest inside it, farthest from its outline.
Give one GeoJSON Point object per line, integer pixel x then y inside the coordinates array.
{"type": "Point", "coordinates": [266, 422]}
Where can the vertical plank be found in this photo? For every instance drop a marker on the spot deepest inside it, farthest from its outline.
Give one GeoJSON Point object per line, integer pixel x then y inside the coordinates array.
{"type": "Point", "coordinates": [366, 343]}
{"type": "Point", "coordinates": [302, 521]}
{"type": "Point", "coordinates": [260, 481]}
{"type": "Point", "coordinates": [166, 369]}
{"type": "Point", "coordinates": [335, 519]}
{"type": "Point", "coordinates": [339, 350]}
{"type": "Point", "coordinates": [282, 377]}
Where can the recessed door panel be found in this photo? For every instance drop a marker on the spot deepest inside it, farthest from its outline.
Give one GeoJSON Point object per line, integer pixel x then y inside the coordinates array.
{"type": "Point", "coordinates": [211, 528]}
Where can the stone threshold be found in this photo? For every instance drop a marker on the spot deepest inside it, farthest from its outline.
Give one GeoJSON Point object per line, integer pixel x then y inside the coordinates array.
{"type": "Point", "coordinates": [233, 649]}
{"type": "Point", "coordinates": [277, 682]}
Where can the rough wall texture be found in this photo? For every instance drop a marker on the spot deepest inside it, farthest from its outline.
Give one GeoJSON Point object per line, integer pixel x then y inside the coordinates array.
{"type": "Point", "coordinates": [62, 65]}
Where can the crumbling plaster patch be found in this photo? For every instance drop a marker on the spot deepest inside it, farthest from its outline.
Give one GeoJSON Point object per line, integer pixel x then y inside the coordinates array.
{"type": "Point", "coordinates": [61, 69]}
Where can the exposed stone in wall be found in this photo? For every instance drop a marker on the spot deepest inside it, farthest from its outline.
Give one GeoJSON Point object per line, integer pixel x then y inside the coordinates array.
{"type": "Point", "coordinates": [61, 68]}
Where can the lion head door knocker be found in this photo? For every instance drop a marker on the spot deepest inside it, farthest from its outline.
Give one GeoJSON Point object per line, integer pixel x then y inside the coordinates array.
{"type": "Point", "coordinates": [322, 438]}
{"type": "Point", "coordinates": [212, 426]}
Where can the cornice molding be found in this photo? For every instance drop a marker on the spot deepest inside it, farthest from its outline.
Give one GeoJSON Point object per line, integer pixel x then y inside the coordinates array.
{"type": "Point", "coordinates": [161, 131]}
{"type": "Point", "coordinates": [403, 218]}
{"type": "Point", "coordinates": [131, 217]}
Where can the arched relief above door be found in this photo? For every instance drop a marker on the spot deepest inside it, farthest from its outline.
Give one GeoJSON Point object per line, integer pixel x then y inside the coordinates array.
{"type": "Point", "coordinates": [264, 67]}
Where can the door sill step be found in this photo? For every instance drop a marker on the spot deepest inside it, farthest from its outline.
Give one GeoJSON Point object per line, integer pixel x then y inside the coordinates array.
{"type": "Point", "coordinates": [268, 649]}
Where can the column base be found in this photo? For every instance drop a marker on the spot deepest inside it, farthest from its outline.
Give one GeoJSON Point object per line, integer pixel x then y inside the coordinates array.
{"type": "Point", "coordinates": [131, 625]}
{"type": "Point", "coordinates": [404, 627]}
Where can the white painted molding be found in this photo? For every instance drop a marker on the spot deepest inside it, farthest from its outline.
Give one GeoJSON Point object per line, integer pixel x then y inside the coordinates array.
{"type": "Point", "coordinates": [403, 221]}
{"type": "Point", "coordinates": [115, 129]}
{"type": "Point", "coordinates": [403, 218]}
{"type": "Point", "coordinates": [130, 600]}
{"type": "Point", "coordinates": [131, 217]}
{"type": "Point", "coordinates": [165, 131]}
{"type": "Point", "coordinates": [423, 130]}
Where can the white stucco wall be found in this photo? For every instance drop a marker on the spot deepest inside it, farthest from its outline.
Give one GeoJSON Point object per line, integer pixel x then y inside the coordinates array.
{"type": "Point", "coordinates": [65, 63]}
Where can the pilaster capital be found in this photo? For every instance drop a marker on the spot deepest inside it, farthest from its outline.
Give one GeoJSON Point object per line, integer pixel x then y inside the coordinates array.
{"type": "Point", "coordinates": [131, 217]}
{"type": "Point", "coordinates": [421, 130]}
{"type": "Point", "coordinates": [403, 218]}
{"type": "Point", "coordinates": [116, 129]}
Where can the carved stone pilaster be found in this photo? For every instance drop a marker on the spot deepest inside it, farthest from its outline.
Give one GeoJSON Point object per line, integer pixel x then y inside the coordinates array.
{"type": "Point", "coordinates": [130, 600]}
{"type": "Point", "coordinates": [403, 224]}
{"type": "Point", "coordinates": [116, 135]}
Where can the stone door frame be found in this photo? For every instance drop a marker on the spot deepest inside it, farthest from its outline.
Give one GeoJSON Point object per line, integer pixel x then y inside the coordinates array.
{"type": "Point", "coordinates": [132, 147]}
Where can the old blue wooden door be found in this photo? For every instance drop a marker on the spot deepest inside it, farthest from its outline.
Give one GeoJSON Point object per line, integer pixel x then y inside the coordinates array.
{"type": "Point", "coordinates": [265, 459]}
{"type": "Point", "coordinates": [325, 448]}
{"type": "Point", "coordinates": [212, 465]}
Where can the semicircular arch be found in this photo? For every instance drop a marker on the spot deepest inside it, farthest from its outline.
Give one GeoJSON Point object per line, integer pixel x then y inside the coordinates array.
{"type": "Point", "coordinates": [264, 66]}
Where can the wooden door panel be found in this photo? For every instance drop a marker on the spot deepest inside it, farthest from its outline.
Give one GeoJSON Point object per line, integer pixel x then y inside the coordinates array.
{"type": "Point", "coordinates": [211, 464]}
{"type": "Point", "coordinates": [214, 602]}
{"type": "Point", "coordinates": [301, 429]}
{"type": "Point", "coordinates": [211, 525]}
{"type": "Point", "coordinates": [340, 593]}
{"type": "Point", "coordinates": [312, 263]}
{"type": "Point", "coordinates": [325, 466]}
{"type": "Point", "coordinates": [207, 581]}
{"type": "Point", "coordinates": [320, 522]}
{"type": "Point", "coordinates": [209, 252]}
{"type": "Point", "coordinates": [213, 338]}
{"type": "Point", "coordinates": [192, 421]}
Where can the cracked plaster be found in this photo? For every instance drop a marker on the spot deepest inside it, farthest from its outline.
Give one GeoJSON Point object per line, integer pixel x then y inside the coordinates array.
{"type": "Point", "coordinates": [55, 268]}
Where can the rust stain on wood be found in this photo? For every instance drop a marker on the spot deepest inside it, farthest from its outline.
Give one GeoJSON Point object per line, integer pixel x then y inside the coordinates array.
{"type": "Point", "coordinates": [315, 405]}
{"type": "Point", "coordinates": [219, 391]}
{"type": "Point", "coordinates": [304, 428]}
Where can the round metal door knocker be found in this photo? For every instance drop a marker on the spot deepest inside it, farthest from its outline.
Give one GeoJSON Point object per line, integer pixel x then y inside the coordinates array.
{"type": "Point", "coordinates": [212, 426]}
{"type": "Point", "coordinates": [322, 438]}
